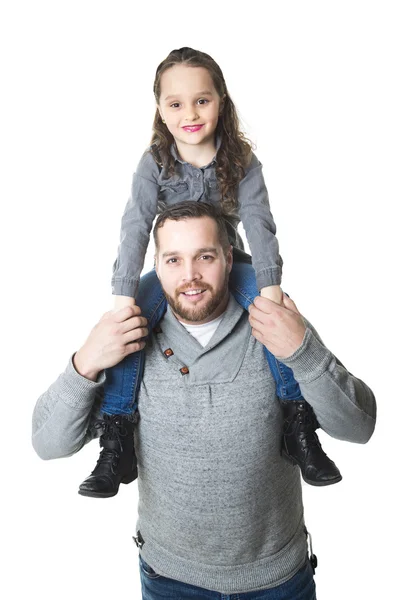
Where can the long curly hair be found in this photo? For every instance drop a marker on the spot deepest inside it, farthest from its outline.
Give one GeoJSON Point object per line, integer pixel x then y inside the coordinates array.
{"type": "Point", "coordinates": [235, 150]}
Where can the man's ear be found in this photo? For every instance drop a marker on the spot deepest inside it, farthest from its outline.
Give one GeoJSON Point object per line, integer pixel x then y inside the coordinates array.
{"type": "Point", "coordinates": [229, 258]}
{"type": "Point", "coordinates": [156, 264]}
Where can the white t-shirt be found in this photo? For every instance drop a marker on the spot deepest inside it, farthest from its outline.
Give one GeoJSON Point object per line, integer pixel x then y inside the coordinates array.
{"type": "Point", "coordinates": [203, 333]}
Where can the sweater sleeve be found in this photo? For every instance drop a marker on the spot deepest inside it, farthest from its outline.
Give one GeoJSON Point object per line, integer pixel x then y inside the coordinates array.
{"type": "Point", "coordinates": [258, 223]}
{"type": "Point", "coordinates": [344, 405]}
{"type": "Point", "coordinates": [136, 224]}
{"type": "Point", "coordinates": [65, 415]}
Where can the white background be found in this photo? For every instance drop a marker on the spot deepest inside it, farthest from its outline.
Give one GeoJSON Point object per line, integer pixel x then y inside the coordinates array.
{"type": "Point", "coordinates": [316, 86]}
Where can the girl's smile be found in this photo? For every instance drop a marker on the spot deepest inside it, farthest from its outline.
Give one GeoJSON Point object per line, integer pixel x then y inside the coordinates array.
{"type": "Point", "coordinates": [192, 128]}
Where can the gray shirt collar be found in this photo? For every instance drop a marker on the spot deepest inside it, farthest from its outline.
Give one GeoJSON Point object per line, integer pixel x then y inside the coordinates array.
{"type": "Point", "coordinates": [188, 346]}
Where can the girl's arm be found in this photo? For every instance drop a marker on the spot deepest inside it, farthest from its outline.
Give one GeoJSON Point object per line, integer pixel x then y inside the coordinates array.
{"type": "Point", "coordinates": [136, 225]}
{"type": "Point", "coordinates": [272, 292]}
{"type": "Point", "coordinates": [259, 225]}
{"type": "Point", "coordinates": [122, 301]}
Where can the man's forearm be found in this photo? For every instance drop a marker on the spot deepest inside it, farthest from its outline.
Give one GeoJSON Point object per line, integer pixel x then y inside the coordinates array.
{"type": "Point", "coordinates": [64, 414]}
{"type": "Point", "coordinates": [344, 405]}
{"type": "Point", "coordinates": [83, 367]}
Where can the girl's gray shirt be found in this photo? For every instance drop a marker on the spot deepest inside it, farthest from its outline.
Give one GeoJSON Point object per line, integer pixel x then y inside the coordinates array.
{"type": "Point", "coordinates": [153, 190]}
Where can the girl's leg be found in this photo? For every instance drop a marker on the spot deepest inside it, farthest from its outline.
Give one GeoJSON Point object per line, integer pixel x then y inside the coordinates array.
{"type": "Point", "coordinates": [123, 381]}
{"type": "Point", "coordinates": [117, 462]}
{"type": "Point", "coordinates": [300, 443]}
{"type": "Point", "coordinates": [242, 283]}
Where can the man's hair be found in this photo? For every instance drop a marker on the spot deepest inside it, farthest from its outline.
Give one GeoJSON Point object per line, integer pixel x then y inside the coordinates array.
{"type": "Point", "coordinates": [190, 209]}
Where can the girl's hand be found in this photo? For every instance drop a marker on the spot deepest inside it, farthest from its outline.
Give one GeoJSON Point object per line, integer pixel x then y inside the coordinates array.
{"type": "Point", "coordinates": [274, 293]}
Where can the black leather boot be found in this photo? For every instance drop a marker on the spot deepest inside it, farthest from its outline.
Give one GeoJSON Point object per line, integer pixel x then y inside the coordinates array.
{"type": "Point", "coordinates": [117, 461]}
{"type": "Point", "coordinates": [301, 446]}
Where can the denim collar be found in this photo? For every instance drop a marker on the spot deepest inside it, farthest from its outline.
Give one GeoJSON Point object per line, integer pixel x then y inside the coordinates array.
{"type": "Point", "coordinates": [174, 151]}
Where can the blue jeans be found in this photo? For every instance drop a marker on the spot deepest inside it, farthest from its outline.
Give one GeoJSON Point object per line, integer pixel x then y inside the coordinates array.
{"type": "Point", "coordinates": [123, 380]}
{"type": "Point", "coordinates": [156, 587]}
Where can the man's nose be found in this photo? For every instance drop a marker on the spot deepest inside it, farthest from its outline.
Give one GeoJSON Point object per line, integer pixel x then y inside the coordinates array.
{"type": "Point", "coordinates": [191, 272]}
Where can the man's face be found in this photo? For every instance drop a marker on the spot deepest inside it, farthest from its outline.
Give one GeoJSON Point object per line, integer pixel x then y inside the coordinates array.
{"type": "Point", "coordinates": [193, 269]}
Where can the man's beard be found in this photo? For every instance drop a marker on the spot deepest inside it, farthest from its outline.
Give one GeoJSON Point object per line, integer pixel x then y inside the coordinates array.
{"type": "Point", "coordinates": [195, 313]}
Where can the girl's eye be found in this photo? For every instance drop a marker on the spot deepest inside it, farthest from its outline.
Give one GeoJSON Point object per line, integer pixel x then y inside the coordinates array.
{"type": "Point", "coordinates": [174, 105]}
{"type": "Point", "coordinates": [203, 101]}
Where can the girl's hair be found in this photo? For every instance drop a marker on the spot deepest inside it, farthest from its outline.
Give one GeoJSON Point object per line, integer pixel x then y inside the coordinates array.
{"type": "Point", "coordinates": [234, 153]}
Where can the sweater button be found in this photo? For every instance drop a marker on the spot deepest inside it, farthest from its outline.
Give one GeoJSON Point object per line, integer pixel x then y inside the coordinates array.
{"type": "Point", "coordinates": [184, 371]}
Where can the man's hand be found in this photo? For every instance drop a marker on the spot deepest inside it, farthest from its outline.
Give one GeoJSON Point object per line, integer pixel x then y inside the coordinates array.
{"type": "Point", "coordinates": [280, 328]}
{"type": "Point", "coordinates": [116, 335]}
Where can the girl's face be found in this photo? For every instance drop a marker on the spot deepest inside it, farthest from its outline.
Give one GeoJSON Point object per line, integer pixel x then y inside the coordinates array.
{"type": "Point", "coordinates": [189, 104]}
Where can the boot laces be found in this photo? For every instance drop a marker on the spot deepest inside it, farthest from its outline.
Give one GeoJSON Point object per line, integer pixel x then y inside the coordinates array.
{"type": "Point", "coordinates": [108, 456]}
{"type": "Point", "coordinates": [307, 430]}
{"type": "Point", "coordinates": [306, 423]}
{"type": "Point", "coordinates": [113, 428]}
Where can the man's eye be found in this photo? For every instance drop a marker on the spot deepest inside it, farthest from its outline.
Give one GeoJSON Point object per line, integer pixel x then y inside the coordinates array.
{"type": "Point", "coordinates": [172, 261]}
{"type": "Point", "coordinates": [206, 257]}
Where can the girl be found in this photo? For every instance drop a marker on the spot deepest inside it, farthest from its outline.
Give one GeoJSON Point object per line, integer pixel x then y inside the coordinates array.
{"type": "Point", "coordinates": [197, 153]}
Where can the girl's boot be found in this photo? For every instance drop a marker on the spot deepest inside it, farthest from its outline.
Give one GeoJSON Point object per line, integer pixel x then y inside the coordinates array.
{"type": "Point", "coordinates": [117, 461]}
{"type": "Point", "coordinates": [301, 446]}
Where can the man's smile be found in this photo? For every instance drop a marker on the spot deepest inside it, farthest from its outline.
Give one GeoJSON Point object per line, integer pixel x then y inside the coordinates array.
{"type": "Point", "coordinates": [193, 294]}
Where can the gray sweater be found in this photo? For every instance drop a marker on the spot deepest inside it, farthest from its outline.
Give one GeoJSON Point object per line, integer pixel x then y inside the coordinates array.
{"type": "Point", "coordinates": [218, 506]}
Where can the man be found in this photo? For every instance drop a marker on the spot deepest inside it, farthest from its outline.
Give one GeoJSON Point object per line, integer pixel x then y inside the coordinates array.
{"type": "Point", "coordinates": [220, 511]}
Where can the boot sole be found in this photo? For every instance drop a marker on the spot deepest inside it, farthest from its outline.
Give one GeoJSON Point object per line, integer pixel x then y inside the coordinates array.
{"type": "Point", "coordinates": [97, 494]}
{"type": "Point", "coordinates": [310, 481]}
{"type": "Point", "coordinates": [125, 480]}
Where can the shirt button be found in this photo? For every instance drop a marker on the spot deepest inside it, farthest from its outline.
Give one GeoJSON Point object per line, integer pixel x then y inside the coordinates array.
{"type": "Point", "coordinates": [168, 352]}
{"type": "Point", "coordinates": [184, 371]}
